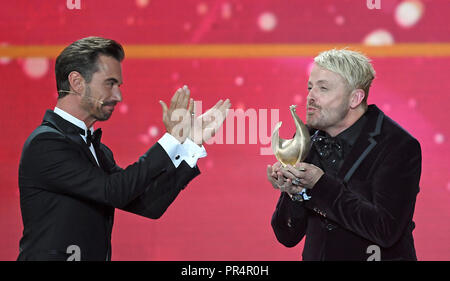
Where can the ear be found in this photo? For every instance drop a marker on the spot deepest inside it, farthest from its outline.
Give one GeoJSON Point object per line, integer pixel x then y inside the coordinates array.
{"type": "Point", "coordinates": [357, 96]}
{"type": "Point", "coordinates": [76, 81]}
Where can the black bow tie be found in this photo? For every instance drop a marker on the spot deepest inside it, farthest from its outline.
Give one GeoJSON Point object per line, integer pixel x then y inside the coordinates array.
{"type": "Point", "coordinates": [327, 145]}
{"type": "Point", "coordinates": [93, 138]}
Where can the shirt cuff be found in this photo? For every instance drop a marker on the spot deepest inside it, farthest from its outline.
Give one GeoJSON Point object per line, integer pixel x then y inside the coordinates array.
{"type": "Point", "coordinates": [177, 152]}
{"type": "Point", "coordinates": [172, 147]}
{"type": "Point", "coordinates": [193, 152]}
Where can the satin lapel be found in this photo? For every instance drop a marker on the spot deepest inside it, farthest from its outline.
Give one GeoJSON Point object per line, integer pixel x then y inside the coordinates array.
{"type": "Point", "coordinates": [69, 130]}
{"type": "Point", "coordinates": [104, 162]}
{"type": "Point", "coordinates": [364, 144]}
{"type": "Point", "coordinates": [78, 140]}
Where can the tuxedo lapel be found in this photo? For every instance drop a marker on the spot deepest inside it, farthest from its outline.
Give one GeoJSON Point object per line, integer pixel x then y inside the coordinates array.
{"type": "Point", "coordinates": [84, 147]}
{"type": "Point", "coordinates": [69, 130]}
{"type": "Point", "coordinates": [104, 162]}
{"type": "Point", "coordinates": [364, 144]}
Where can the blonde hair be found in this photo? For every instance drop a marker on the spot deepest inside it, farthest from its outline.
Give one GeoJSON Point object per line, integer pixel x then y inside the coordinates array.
{"type": "Point", "coordinates": [353, 66]}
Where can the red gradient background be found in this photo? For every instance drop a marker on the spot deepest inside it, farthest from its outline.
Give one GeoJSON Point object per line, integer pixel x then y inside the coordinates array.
{"type": "Point", "coordinates": [225, 213]}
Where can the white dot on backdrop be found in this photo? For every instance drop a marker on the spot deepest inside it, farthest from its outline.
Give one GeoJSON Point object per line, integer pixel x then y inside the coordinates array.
{"type": "Point", "coordinates": [339, 20]}
{"type": "Point", "coordinates": [144, 138]}
{"type": "Point", "coordinates": [412, 103]}
{"type": "Point", "coordinates": [175, 76]}
{"type": "Point", "coordinates": [130, 20]}
{"type": "Point", "coordinates": [153, 131]}
{"type": "Point", "coordinates": [226, 10]}
{"type": "Point", "coordinates": [187, 26]}
{"type": "Point", "coordinates": [267, 21]}
{"type": "Point", "coordinates": [408, 13]}
{"type": "Point", "coordinates": [142, 3]}
{"type": "Point", "coordinates": [298, 99]}
{"type": "Point", "coordinates": [379, 37]}
{"type": "Point", "coordinates": [5, 60]}
{"type": "Point", "coordinates": [239, 81]}
{"type": "Point", "coordinates": [202, 8]}
{"type": "Point", "coordinates": [209, 164]}
{"type": "Point", "coordinates": [439, 138]}
{"type": "Point", "coordinates": [123, 108]}
{"type": "Point", "coordinates": [387, 107]}
{"type": "Point", "coordinates": [35, 67]}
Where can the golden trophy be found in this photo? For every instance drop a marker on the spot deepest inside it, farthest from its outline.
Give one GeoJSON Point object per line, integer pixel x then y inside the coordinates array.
{"type": "Point", "coordinates": [291, 151]}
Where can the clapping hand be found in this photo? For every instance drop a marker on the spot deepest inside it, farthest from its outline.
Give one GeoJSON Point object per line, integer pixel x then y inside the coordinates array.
{"type": "Point", "coordinates": [206, 125]}
{"type": "Point", "coordinates": [178, 117]}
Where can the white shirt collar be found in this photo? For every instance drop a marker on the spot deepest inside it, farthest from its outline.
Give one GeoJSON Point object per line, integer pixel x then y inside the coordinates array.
{"type": "Point", "coordinates": [68, 117]}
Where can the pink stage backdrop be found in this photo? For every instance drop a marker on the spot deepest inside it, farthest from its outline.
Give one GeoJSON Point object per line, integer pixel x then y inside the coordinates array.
{"type": "Point", "coordinates": [225, 213]}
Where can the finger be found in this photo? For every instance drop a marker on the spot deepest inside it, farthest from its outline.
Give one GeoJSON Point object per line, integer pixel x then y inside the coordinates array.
{"type": "Point", "coordinates": [270, 174]}
{"type": "Point", "coordinates": [300, 166]}
{"type": "Point", "coordinates": [218, 104]}
{"type": "Point", "coordinates": [226, 104]}
{"type": "Point", "coordinates": [174, 100]}
{"type": "Point", "coordinates": [212, 110]}
{"type": "Point", "coordinates": [191, 107]}
{"type": "Point", "coordinates": [286, 173]}
{"type": "Point", "coordinates": [294, 171]}
{"type": "Point", "coordinates": [181, 99]}
{"type": "Point", "coordinates": [164, 108]}
{"type": "Point", "coordinates": [295, 189]}
{"type": "Point", "coordinates": [225, 108]}
{"type": "Point", "coordinates": [277, 165]}
{"type": "Point", "coordinates": [186, 95]}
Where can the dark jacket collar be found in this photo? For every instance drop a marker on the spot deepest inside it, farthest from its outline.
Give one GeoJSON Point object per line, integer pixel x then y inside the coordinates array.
{"type": "Point", "coordinates": [351, 134]}
{"type": "Point", "coordinates": [61, 124]}
{"type": "Point", "coordinates": [364, 143]}
{"type": "Point", "coordinates": [70, 130]}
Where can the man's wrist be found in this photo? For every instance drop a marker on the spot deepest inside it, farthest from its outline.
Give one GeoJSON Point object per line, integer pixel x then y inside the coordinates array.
{"type": "Point", "coordinates": [300, 196]}
{"type": "Point", "coordinates": [197, 140]}
{"type": "Point", "coordinates": [178, 138]}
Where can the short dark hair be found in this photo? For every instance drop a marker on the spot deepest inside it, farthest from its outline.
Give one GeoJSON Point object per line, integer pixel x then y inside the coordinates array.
{"type": "Point", "coordinates": [82, 56]}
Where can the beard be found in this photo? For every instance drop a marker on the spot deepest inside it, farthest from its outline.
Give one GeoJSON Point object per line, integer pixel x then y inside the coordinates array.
{"type": "Point", "coordinates": [94, 107]}
{"type": "Point", "coordinates": [323, 118]}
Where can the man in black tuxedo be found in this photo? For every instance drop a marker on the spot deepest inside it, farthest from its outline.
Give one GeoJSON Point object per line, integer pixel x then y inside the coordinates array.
{"type": "Point", "coordinates": [354, 196]}
{"type": "Point", "coordinates": [69, 182]}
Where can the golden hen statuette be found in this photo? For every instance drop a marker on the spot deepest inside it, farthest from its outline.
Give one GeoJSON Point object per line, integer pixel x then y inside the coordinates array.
{"type": "Point", "coordinates": [292, 151]}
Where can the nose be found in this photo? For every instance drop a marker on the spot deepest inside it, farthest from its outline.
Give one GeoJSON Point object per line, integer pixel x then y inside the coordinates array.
{"type": "Point", "coordinates": [311, 95]}
{"type": "Point", "coordinates": [117, 94]}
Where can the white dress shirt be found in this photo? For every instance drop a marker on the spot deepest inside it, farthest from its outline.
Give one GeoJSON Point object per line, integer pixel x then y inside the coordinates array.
{"type": "Point", "coordinates": [177, 152]}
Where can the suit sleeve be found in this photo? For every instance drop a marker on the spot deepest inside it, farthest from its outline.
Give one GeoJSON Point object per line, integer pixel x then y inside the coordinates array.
{"type": "Point", "coordinates": [394, 186]}
{"type": "Point", "coordinates": [289, 221]}
{"type": "Point", "coordinates": [161, 192]}
{"type": "Point", "coordinates": [158, 196]}
{"type": "Point", "coordinates": [53, 163]}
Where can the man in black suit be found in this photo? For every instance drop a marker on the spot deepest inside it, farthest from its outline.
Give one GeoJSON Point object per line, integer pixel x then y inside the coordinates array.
{"type": "Point", "coordinates": [69, 182]}
{"type": "Point", "coordinates": [354, 196]}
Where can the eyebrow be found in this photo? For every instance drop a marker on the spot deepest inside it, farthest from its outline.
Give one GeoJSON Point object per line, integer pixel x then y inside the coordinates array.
{"type": "Point", "coordinates": [320, 81]}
